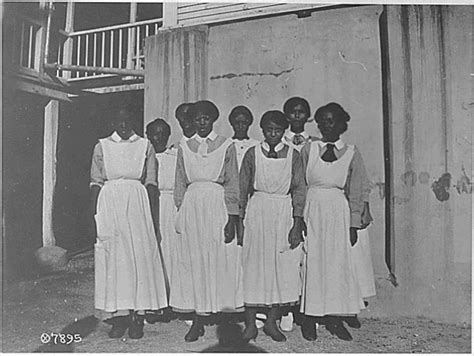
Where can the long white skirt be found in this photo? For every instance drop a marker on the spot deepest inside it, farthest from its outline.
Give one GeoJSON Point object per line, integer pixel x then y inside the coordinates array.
{"type": "Point", "coordinates": [207, 276]}
{"type": "Point", "coordinates": [362, 260]}
{"type": "Point", "coordinates": [330, 283]}
{"type": "Point", "coordinates": [128, 267]}
{"type": "Point", "coordinates": [168, 232]}
{"type": "Point", "coordinates": [271, 269]}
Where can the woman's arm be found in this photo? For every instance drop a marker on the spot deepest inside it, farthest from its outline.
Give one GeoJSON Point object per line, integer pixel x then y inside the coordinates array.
{"type": "Point", "coordinates": [151, 184]}
{"type": "Point", "coordinates": [97, 180]}
{"type": "Point", "coordinates": [356, 191]}
{"type": "Point", "coordinates": [247, 179]}
{"type": "Point", "coordinates": [231, 192]}
{"type": "Point", "coordinates": [298, 198]}
{"type": "Point", "coordinates": [180, 180]}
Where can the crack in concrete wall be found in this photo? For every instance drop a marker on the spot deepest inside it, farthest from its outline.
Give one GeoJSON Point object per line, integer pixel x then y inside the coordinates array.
{"type": "Point", "coordinates": [247, 74]}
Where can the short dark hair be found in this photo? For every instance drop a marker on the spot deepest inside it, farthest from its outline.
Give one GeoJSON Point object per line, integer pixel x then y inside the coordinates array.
{"type": "Point", "coordinates": [276, 117]}
{"type": "Point", "coordinates": [296, 100]}
{"type": "Point", "coordinates": [240, 110]}
{"type": "Point", "coordinates": [338, 112]}
{"type": "Point", "coordinates": [157, 123]}
{"type": "Point", "coordinates": [182, 111]}
{"type": "Point", "coordinates": [204, 106]}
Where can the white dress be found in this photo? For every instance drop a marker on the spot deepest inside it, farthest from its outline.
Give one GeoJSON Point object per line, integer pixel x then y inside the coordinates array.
{"type": "Point", "coordinates": [166, 172]}
{"type": "Point", "coordinates": [208, 276]}
{"type": "Point", "coordinates": [271, 269]}
{"type": "Point", "coordinates": [128, 267]}
{"type": "Point", "coordinates": [330, 282]}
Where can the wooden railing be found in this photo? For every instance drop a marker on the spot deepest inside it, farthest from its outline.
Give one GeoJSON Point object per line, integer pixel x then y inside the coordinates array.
{"type": "Point", "coordinates": [117, 47]}
{"type": "Point", "coordinates": [25, 44]}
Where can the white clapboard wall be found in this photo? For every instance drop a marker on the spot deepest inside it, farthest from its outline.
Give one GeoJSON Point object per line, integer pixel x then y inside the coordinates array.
{"type": "Point", "coordinates": [206, 13]}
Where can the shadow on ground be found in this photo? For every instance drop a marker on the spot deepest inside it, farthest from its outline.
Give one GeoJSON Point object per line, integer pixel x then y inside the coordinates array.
{"type": "Point", "coordinates": [230, 341]}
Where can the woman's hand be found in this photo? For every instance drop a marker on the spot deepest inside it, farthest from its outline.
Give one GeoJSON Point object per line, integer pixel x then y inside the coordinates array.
{"type": "Point", "coordinates": [295, 237]}
{"type": "Point", "coordinates": [353, 235]}
{"type": "Point", "coordinates": [229, 229]}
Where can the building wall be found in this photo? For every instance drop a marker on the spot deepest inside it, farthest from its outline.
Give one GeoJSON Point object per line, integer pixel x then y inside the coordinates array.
{"type": "Point", "coordinates": [206, 13]}
{"type": "Point", "coordinates": [430, 50]}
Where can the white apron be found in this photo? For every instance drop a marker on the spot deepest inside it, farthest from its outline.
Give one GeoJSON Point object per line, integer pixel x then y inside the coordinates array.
{"type": "Point", "coordinates": [330, 281]}
{"type": "Point", "coordinates": [128, 267]}
{"type": "Point", "coordinates": [271, 269]}
{"type": "Point", "coordinates": [208, 276]}
{"type": "Point", "coordinates": [166, 174]}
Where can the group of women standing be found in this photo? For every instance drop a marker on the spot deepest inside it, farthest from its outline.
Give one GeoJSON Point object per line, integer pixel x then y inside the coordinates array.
{"type": "Point", "coordinates": [255, 227]}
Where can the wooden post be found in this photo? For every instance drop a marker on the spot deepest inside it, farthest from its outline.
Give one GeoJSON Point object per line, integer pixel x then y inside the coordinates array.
{"type": "Point", "coordinates": [51, 116]}
{"type": "Point", "coordinates": [69, 27]}
{"type": "Point", "coordinates": [131, 36]}
{"type": "Point", "coordinates": [170, 14]}
{"type": "Point", "coordinates": [40, 42]}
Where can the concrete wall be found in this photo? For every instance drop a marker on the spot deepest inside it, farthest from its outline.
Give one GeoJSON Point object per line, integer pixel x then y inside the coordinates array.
{"type": "Point", "coordinates": [430, 50]}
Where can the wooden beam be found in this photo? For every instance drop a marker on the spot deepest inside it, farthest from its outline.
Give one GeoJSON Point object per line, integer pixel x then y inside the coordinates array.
{"type": "Point", "coordinates": [131, 35]}
{"type": "Point", "coordinates": [40, 41]}
{"type": "Point", "coordinates": [69, 27]}
{"type": "Point", "coordinates": [170, 14]}
{"type": "Point", "coordinates": [51, 116]}
{"type": "Point", "coordinates": [117, 88]}
{"type": "Point", "coordinates": [41, 90]}
{"type": "Point", "coordinates": [105, 70]}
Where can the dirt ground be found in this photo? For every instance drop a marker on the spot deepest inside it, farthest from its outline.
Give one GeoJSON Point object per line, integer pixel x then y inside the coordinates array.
{"type": "Point", "coordinates": [63, 303]}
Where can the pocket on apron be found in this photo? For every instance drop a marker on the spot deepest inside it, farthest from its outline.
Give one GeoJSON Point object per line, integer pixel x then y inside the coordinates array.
{"type": "Point", "coordinates": [105, 230]}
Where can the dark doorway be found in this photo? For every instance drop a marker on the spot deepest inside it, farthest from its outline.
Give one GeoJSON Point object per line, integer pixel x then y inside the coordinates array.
{"type": "Point", "coordinates": [81, 124]}
{"type": "Point", "coordinates": [22, 146]}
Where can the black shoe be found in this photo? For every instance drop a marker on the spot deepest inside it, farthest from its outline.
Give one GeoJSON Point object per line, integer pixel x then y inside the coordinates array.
{"type": "Point", "coordinates": [353, 322]}
{"type": "Point", "coordinates": [250, 333]}
{"type": "Point", "coordinates": [136, 326]}
{"type": "Point", "coordinates": [162, 316]}
{"type": "Point", "coordinates": [339, 330]}
{"type": "Point", "coordinates": [152, 317]}
{"type": "Point", "coordinates": [308, 330]}
{"type": "Point", "coordinates": [120, 324]}
{"type": "Point", "coordinates": [298, 317]}
{"type": "Point", "coordinates": [271, 329]}
{"type": "Point", "coordinates": [194, 333]}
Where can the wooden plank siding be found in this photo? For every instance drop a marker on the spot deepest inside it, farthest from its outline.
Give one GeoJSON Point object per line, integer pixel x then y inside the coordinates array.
{"type": "Point", "coordinates": [205, 13]}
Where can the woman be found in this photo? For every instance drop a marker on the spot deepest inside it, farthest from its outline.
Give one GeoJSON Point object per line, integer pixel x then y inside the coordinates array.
{"type": "Point", "coordinates": [298, 112]}
{"type": "Point", "coordinates": [336, 179]}
{"type": "Point", "coordinates": [240, 119]}
{"type": "Point", "coordinates": [272, 176]}
{"type": "Point", "coordinates": [208, 275]}
{"type": "Point", "coordinates": [128, 267]}
{"type": "Point", "coordinates": [158, 132]}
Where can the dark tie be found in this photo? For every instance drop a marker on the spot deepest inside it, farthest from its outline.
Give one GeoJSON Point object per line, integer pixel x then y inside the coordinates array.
{"type": "Point", "coordinates": [329, 155]}
{"type": "Point", "coordinates": [272, 153]}
{"type": "Point", "coordinates": [298, 139]}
